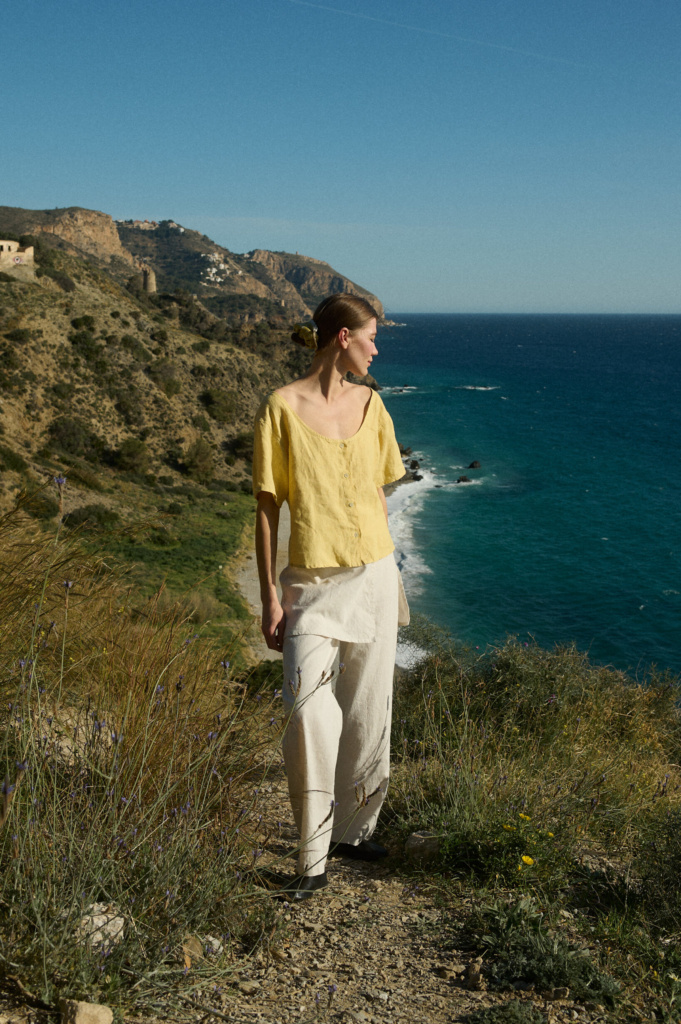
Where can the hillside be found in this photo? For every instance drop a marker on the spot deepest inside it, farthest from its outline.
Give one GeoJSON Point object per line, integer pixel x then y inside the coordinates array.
{"type": "Point", "coordinates": [117, 369]}
{"type": "Point", "coordinates": [148, 420]}
{"type": "Point", "coordinates": [244, 288]}
{"type": "Point", "coordinates": [144, 401]}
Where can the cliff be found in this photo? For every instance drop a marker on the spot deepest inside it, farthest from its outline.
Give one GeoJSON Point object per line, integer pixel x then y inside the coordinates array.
{"type": "Point", "coordinates": [312, 279]}
{"type": "Point", "coordinates": [86, 233]}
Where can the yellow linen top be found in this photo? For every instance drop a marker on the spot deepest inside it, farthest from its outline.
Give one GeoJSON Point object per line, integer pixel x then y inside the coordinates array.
{"type": "Point", "coordinates": [331, 486]}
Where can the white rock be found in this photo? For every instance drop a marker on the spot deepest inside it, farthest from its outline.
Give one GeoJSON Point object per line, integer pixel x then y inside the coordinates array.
{"type": "Point", "coordinates": [214, 944]}
{"type": "Point", "coordinates": [75, 1012]}
{"type": "Point", "coordinates": [422, 846]}
{"type": "Point", "coordinates": [101, 925]}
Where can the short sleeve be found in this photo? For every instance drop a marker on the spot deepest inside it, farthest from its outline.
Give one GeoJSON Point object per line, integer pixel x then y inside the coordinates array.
{"type": "Point", "coordinates": [390, 465]}
{"type": "Point", "coordinates": [270, 454]}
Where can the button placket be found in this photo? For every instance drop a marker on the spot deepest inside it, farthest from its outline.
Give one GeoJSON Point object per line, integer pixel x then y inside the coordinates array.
{"type": "Point", "coordinates": [349, 493]}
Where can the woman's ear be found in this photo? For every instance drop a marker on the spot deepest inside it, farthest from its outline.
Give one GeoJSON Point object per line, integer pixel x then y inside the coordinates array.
{"type": "Point", "coordinates": [343, 337]}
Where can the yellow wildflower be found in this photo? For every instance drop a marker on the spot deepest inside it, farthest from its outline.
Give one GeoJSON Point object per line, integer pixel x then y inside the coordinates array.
{"type": "Point", "coordinates": [525, 817]}
{"type": "Point", "coordinates": [527, 860]}
{"type": "Point", "coordinates": [509, 828]}
{"type": "Point", "coordinates": [550, 835]}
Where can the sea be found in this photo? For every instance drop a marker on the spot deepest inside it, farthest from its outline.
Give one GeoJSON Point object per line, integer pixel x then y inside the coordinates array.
{"type": "Point", "coordinates": [570, 529]}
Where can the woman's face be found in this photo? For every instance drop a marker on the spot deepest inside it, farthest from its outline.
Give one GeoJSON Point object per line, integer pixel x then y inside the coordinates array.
{"type": "Point", "coordinates": [361, 348]}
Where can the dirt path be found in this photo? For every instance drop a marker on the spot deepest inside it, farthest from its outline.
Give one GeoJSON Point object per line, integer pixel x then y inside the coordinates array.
{"type": "Point", "coordinates": [375, 947]}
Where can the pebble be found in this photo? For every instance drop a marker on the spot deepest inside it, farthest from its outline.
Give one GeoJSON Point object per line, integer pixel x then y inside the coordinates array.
{"type": "Point", "coordinates": [249, 988]}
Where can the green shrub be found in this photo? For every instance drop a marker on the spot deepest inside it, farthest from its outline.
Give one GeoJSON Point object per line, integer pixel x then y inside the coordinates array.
{"type": "Point", "coordinates": [62, 390]}
{"type": "Point", "coordinates": [135, 347]}
{"type": "Point", "coordinates": [39, 505]}
{"type": "Point", "coordinates": [199, 461]}
{"type": "Point", "coordinates": [85, 344]}
{"type": "Point", "coordinates": [10, 363]}
{"type": "Point", "coordinates": [164, 374]}
{"type": "Point", "coordinates": [10, 460]}
{"type": "Point", "coordinates": [132, 456]}
{"type": "Point", "coordinates": [220, 405]}
{"type": "Point", "coordinates": [85, 477]}
{"type": "Point", "coordinates": [659, 864]}
{"type": "Point", "coordinates": [201, 346]}
{"type": "Point", "coordinates": [519, 946]}
{"type": "Point", "coordinates": [163, 537]}
{"type": "Point", "coordinates": [20, 335]}
{"type": "Point", "coordinates": [241, 446]}
{"type": "Point", "coordinates": [159, 334]}
{"type": "Point", "coordinates": [91, 517]}
{"type": "Point", "coordinates": [86, 322]}
{"type": "Point", "coordinates": [129, 405]}
{"type": "Point", "coordinates": [512, 1012]}
{"type": "Point", "coordinates": [200, 422]}
{"type": "Point", "coordinates": [66, 283]}
{"type": "Point", "coordinates": [74, 436]}
{"type": "Point", "coordinates": [9, 359]}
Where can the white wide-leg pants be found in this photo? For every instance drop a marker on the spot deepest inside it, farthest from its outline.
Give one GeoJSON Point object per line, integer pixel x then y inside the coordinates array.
{"type": "Point", "coordinates": [338, 699]}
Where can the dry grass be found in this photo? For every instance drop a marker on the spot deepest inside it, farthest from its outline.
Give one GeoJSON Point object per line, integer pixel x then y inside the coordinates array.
{"type": "Point", "coordinates": [132, 763]}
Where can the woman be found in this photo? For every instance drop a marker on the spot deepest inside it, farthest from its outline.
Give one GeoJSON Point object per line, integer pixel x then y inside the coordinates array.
{"type": "Point", "coordinates": [327, 447]}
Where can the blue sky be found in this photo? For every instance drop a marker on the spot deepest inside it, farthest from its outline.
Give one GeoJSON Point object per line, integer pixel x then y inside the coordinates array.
{"type": "Point", "coordinates": [472, 156]}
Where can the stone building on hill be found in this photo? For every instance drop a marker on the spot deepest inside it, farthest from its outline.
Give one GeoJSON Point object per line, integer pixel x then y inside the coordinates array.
{"type": "Point", "coordinates": [17, 260]}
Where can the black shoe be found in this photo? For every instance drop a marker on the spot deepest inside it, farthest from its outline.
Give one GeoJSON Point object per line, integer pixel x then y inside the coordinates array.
{"type": "Point", "coordinates": [366, 850]}
{"type": "Point", "coordinates": [302, 887]}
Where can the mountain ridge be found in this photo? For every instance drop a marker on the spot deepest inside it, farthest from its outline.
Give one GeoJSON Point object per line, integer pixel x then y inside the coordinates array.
{"type": "Point", "coordinates": [247, 287]}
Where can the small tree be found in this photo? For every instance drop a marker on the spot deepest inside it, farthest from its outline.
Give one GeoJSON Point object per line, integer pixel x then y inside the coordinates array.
{"type": "Point", "coordinates": [220, 405]}
{"type": "Point", "coordinates": [199, 461]}
{"type": "Point", "coordinates": [133, 456]}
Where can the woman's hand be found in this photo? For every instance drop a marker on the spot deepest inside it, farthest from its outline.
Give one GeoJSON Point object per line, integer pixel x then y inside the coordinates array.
{"type": "Point", "coordinates": [266, 526]}
{"type": "Point", "coordinates": [273, 623]}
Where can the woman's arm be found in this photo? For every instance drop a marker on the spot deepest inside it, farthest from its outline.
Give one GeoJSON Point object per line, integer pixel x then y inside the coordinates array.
{"type": "Point", "coordinates": [266, 527]}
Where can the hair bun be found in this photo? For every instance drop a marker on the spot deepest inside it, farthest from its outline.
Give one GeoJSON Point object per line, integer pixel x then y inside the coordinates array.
{"type": "Point", "coordinates": [306, 334]}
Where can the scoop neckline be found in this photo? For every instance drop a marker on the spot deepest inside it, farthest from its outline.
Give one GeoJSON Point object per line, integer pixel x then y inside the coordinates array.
{"type": "Point", "coordinates": [324, 437]}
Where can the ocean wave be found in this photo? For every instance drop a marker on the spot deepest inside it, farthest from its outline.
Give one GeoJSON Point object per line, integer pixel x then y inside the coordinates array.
{"type": "Point", "coordinates": [476, 387]}
{"type": "Point", "coordinates": [407, 656]}
{"type": "Point", "coordinates": [449, 484]}
{"type": "Point", "coordinates": [404, 504]}
{"type": "Point", "coordinates": [395, 390]}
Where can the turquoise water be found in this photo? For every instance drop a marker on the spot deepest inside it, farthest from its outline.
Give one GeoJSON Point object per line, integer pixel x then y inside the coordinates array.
{"type": "Point", "coordinates": [570, 530]}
